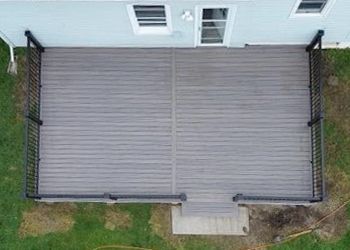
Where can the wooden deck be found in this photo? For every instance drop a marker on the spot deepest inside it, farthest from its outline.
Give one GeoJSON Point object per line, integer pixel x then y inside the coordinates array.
{"type": "Point", "coordinates": [208, 122]}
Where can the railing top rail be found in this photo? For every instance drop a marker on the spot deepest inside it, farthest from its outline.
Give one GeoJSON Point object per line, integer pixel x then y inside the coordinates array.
{"type": "Point", "coordinates": [30, 36]}
{"type": "Point", "coordinates": [108, 196]}
{"type": "Point", "coordinates": [240, 197]}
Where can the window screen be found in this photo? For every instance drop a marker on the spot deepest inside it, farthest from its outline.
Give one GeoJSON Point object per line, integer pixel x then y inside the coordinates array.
{"type": "Point", "coordinates": [311, 6]}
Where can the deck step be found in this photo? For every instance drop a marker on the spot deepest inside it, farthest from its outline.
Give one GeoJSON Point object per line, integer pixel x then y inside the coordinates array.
{"type": "Point", "coordinates": [210, 209]}
{"type": "Point", "coordinates": [210, 225]}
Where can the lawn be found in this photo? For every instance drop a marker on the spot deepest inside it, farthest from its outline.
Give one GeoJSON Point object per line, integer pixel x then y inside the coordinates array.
{"type": "Point", "coordinates": [25, 224]}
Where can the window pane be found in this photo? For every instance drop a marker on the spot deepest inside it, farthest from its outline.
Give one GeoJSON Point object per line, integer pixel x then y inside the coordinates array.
{"type": "Point", "coordinates": [149, 7]}
{"type": "Point", "coordinates": [150, 19]}
{"type": "Point", "coordinates": [150, 13]}
{"type": "Point", "coordinates": [212, 33]}
{"type": "Point", "coordinates": [214, 24]}
{"type": "Point", "coordinates": [217, 14]}
{"type": "Point", "coordinates": [152, 24]}
{"type": "Point", "coordinates": [211, 40]}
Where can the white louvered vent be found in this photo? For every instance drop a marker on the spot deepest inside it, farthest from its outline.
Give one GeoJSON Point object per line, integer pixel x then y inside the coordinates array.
{"type": "Point", "coordinates": [150, 19]}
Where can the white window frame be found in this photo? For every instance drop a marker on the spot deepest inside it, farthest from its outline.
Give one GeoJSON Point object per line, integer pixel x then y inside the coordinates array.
{"type": "Point", "coordinates": [232, 9]}
{"type": "Point", "coordinates": [139, 30]}
{"type": "Point", "coordinates": [323, 13]}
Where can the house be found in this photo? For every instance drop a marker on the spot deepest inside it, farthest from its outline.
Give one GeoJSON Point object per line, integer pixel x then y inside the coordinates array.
{"type": "Point", "coordinates": [205, 103]}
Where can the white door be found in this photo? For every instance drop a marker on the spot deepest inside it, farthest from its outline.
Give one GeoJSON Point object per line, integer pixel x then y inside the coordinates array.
{"type": "Point", "coordinates": [214, 25]}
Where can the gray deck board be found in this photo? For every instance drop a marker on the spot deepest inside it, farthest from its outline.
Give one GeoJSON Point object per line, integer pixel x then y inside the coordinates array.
{"type": "Point", "coordinates": [209, 122]}
{"type": "Point", "coordinates": [107, 122]}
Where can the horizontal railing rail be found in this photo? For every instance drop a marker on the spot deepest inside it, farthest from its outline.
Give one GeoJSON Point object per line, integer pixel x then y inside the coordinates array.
{"type": "Point", "coordinates": [272, 199]}
{"type": "Point", "coordinates": [32, 116]}
{"type": "Point", "coordinates": [181, 197]}
{"type": "Point", "coordinates": [109, 196]}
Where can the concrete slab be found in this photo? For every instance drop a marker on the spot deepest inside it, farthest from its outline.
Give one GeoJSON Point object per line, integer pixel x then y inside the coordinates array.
{"type": "Point", "coordinates": [204, 225]}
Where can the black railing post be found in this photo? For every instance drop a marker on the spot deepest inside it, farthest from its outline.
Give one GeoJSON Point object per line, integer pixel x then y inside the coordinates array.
{"type": "Point", "coordinates": [316, 40]}
{"type": "Point", "coordinates": [33, 40]}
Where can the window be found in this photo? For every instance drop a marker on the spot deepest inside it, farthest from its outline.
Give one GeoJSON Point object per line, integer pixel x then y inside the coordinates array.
{"type": "Point", "coordinates": [213, 25]}
{"type": "Point", "coordinates": [311, 6]}
{"type": "Point", "coordinates": [150, 19]}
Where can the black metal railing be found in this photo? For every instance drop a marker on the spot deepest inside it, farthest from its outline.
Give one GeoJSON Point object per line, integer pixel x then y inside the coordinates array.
{"type": "Point", "coordinates": [316, 127]}
{"type": "Point", "coordinates": [32, 114]}
{"type": "Point", "coordinates": [273, 199]}
{"type": "Point", "coordinates": [119, 197]}
{"type": "Point", "coordinates": [316, 109]}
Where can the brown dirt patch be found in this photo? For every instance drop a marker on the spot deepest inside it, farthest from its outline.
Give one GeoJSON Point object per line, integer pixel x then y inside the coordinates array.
{"type": "Point", "coordinates": [47, 218]}
{"type": "Point", "coordinates": [333, 228]}
{"type": "Point", "coordinates": [116, 218]}
{"type": "Point", "coordinates": [269, 222]}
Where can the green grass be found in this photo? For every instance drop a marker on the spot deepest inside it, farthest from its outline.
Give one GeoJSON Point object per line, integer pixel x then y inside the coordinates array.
{"type": "Point", "coordinates": [88, 231]}
{"type": "Point", "coordinates": [11, 152]}
{"type": "Point", "coordinates": [340, 60]}
{"type": "Point", "coordinates": [338, 154]}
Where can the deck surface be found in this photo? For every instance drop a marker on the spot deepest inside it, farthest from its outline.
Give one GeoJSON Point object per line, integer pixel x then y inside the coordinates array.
{"type": "Point", "coordinates": [211, 123]}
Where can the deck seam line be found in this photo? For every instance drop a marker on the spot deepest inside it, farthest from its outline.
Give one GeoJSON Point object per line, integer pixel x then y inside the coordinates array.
{"type": "Point", "coordinates": [173, 120]}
